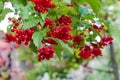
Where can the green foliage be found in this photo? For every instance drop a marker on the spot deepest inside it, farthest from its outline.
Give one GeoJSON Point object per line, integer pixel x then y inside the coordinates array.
{"type": "Point", "coordinates": [30, 22]}
{"type": "Point", "coordinates": [39, 35]}
{"type": "Point", "coordinates": [33, 47]}
{"type": "Point", "coordinates": [4, 13]}
{"type": "Point", "coordinates": [65, 47]}
{"type": "Point", "coordinates": [84, 10]}
{"type": "Point", "coordinates": [1, 6]}
{"type": "Point", "coordinates": [42, 18]}
{"type": "Point", "coordinates": [4, 74]}
{"type": "Point", "coordinates": [17, 4]}
{"type": "Point", "coordinates": [26, 10]}
{"type": "Point", "coordinates": [58, 51]}
{"type": "Point", "coordinates": [62, 7]}
{"type": "Point", "coordinates": [95, 4]}
{"type": "Point", "coordinates": [31, 75]}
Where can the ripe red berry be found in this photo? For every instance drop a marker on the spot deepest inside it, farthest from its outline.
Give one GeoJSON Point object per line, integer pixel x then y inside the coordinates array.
{"type": "Point", "coordinates": [19, 18]}
{"type": "Point", "coordinates": [63, 33]}
{"type": "Point", "coordinates": [98, 28]}
{"type": "Point", "coordinates": [42, 5]}
{"type": "Point", "coordinates": [96, 52]}
{"type": "Point", "coordinates": [77, 39]}
{"type": "Point", "coordinates": [63, 20]}
{"type": "Point", "coordinates": [45, 53]}
{"type": "Point", "coordinates": [87, 52]}
{"type": "Point", "coordinates": [106, 40]}
{"type": "Point", "coordinates": [49, 23]}
{"type": "Point", "coordinates": [13, 21]}
{"type": "Point", "coordinates": [9, 18]}
{"type": "Point", "coordinates": [50, 41]}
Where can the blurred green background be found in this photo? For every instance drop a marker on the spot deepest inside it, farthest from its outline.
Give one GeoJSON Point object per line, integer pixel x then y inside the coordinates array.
{"type": "Point", "coordinates": [24, 65]}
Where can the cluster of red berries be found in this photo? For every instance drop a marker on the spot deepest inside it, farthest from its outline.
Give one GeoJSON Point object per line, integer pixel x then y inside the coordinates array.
{"type": "Point", "coordinates": [77, 39]}
{"type": "Point", "coordinates": [94, 50]}
{"type": "Point", "coordinates": [49, 23]}
{"type": "Point", "coordinates": [96, 27]}
{"type": "Point", "coordinates": [42, 5]}
{"type": "Point", "coordinates": [87, 52]}
{"type": "Point", "coordinates": [46, 53]}
{"type": "Point", "coordinates": [50, 41]}
{"type": "Point", "coordinates": [63, 20]}
{"type": "Point", "coordinates": [106, 40]}
{"type": "Point", "coordinates": [62, 33]}
{"type": "Point", "coordinates": [99, 28]}
{"type": "Point", "coordinates": [17, 35]}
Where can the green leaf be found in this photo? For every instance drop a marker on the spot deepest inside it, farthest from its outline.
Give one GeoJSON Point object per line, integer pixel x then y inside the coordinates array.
{"type": "Point", "coordinates": [31, 75]}
{"type": "Point", "coordinates": [78, 1]}
{"type": "Point", "coordinates": [19, 3]}
{"type": "Point", "coordinates": [8, 30]}
{"type": "Point", "coordinates": [4, 74]}
{"type": "Point", "coordinates": [44, 16]}
{"type": "Point", "coordinates": [26, 10]}
{"type": "Point", "coordinates": [84, 10]}
{"type": "Point", "coordinates": [39, 35]}
{"type": "Point", "coordinates": [30, 22]}
{"type": "Point", "coordinates": [4, 13]}
{"type": "Point", "coordinates": [1, 6]}
{"type": "Point", "coordinates": [89, 16]}
{"type": "Point", "coordinates": [24, 13]}
{"type": "Point", "coordinates": [64, 46]}
{"type": "Point", "coordinates": [33, 47]}
{"type": "Point", "coordinates": [95, 5]}
{"type": "Point", "coordinates": [58, 51]}
{"type": "Point", "coordinates": [72, 10]}
{"type": "Point", "coordinates": [63, 9]}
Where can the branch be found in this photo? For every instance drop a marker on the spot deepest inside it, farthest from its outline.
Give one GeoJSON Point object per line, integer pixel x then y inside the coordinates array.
{"type": "Point", "coordinates": [114, 62]}
{"type": "Point", "coordinates": [100, 70]}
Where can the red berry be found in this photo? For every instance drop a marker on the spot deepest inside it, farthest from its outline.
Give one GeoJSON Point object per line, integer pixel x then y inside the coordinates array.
{"type": "Point", "coordinates": [45, 53]}
{"type": "Point", "coordinates": [9, 18]}
{"type": "Point", "coordinates": [85, 52]}
{"type": "Point", "coordinates": [42, 5]}
{"type": "Point", "coordinates": [13, 21]}
{"type": "Point", "coordinates": [96, 52]}
{"type": "Point", "coordinates": [63, 20]}
{"type": "Point", "coordinates": [105, 41]}
{"type": "Point", "coordinates": [77, 39]}
{"type": "Point", "coordinates": [19, 18]}
{"type": "Point", "coordinates": [63, 33]}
